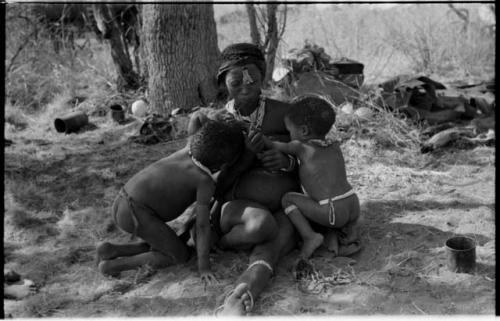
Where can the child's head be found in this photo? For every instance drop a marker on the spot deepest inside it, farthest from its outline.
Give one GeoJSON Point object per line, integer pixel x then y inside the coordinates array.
{"type": "Point", "coordinates": [309, 117]}
{"type": "Point", "coordinates": [217, 143]}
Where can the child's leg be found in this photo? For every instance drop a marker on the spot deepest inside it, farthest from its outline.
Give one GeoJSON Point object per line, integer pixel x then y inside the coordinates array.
{"type": "Point", "coordinates": [152, 258]}
{"type": "Point", "coordinates": [294, 205]}
{"type": "Point", "coordinates": [332, 241]}
{"type": "Point", "coordinates": [108, 251]}
{"type": "Point", "coordinates": [350, 242]}
{"type": "Point", "coordinates": [343, 210]}
{"type": "Point", "coordinates": [150, 228]}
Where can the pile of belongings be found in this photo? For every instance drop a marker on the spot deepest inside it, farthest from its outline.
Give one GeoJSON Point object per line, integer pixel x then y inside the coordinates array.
{"type": "Point", "coordinates": [461, 112]}
{"type": "Point", "coordinates": [155, 129]}
{"type": "Point", "coordinates": [417, 97]}
{"type": "Point", "coordinates": [311, 70]}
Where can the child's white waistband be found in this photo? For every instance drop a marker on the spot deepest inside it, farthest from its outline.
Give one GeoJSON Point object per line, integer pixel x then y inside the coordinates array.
{"type": "Point", "coordinates": [336, 198]}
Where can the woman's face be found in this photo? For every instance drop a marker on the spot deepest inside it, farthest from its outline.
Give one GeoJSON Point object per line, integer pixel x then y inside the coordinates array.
{"type": "Point", "coordinates": [244, 83]}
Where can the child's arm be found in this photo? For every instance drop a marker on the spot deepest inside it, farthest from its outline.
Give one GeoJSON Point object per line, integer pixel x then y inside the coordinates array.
{"type": "Point", "coordinates": [291, 148]}
{"type": "Point", "coordinates": [205, 191]}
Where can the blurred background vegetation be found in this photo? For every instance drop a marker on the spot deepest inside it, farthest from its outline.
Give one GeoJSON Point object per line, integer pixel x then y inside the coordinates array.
{"type": "Point", "coordinates": [441, 40]}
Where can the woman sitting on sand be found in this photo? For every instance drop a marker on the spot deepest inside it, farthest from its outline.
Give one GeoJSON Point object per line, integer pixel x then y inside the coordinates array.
{"type": "Point", "coordinates": [251, 216]}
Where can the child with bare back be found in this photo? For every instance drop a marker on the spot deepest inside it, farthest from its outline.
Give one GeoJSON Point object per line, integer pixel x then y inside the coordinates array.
{"type": "Point", "coordinates": [328, 198]}
{"type": "Point", "coordinates": [161, 192]}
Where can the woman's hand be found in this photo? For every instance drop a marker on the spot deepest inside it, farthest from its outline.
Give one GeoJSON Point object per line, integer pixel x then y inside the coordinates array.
{"type": "Point", "coordinates": [273, 159]}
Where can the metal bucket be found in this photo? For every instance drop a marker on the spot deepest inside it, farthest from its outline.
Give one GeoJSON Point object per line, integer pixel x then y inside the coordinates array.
{"type": "Point", "coordinates": [71, 123]}
{"type": "Point", "coordinates": [461, 254]}
{"type": "Point", "coordinates": [117, 113]}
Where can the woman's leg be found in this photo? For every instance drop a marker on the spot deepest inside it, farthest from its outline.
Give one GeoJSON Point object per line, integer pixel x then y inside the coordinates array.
{"type": "Point", "coordinates": [244, 224]}
{"type": "Point", "coordinates": [311, 239]}
{"type": "Point", "coordinates": [263, 256]}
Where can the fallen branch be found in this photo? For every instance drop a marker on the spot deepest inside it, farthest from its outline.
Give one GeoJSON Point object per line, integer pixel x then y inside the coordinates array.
{"type": "Point", "coordinates": [444, 137]}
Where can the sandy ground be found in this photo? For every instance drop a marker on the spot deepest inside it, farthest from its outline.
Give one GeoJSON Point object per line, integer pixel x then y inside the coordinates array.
{"type": "Point", "coordinates": [58, 189]}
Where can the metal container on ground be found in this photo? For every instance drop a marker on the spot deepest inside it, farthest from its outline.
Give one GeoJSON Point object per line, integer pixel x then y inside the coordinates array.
{"type": "Point", "coordinates": [117, 113]}
{"type": "Point", "coordinates": [461, 254]}
{"type": "Point", "coordinates": [71, 122]}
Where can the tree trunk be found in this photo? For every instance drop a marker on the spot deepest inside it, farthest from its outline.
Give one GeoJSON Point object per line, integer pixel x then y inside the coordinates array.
{"type": "Point", "coordinates": [127, 78]}
{"type": "Point", "coordinates": [181, 45]}
{"type": "Point", "coordinates": [272, 43]}
{"type": "Point", "coordinates": [252, 19]}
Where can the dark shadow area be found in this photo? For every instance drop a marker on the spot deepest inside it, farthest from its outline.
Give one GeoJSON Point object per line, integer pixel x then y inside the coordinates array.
{"type": "Point", "coordinates": [391, 208]}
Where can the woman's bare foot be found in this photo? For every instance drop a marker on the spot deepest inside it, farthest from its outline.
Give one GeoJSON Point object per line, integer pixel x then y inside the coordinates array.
{"type": "Point", "coordinates": [310, 245]}
{"type": "Point", "coordinates": [238, 302]}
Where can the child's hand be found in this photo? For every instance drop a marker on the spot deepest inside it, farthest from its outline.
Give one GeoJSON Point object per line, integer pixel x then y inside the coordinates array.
{"type": "Point", "coordinates": [267, 142]}
{"type": "Point", "coordinates": [273, 159]}
{"type": "Point", "coordinates": [208, 278]}
{"type": "Point", "coordinates": [254, 141]}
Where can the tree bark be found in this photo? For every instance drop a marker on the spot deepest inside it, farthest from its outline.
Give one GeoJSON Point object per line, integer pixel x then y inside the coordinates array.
{"type": "Point", "coordinates": [126, 76]}
{"type": "Point", "coordinates": [181, 45]}
{"type": "Point", "coordinates": [252, 19]}
{"type": "Point", "coordinates": [272, 41]}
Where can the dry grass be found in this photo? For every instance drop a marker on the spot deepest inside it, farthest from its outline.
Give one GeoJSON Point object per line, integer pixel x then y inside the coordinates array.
{"type": "Point", "coordinates": [53, 222]}
{"type": "Point", "coordinates": [58, 190]}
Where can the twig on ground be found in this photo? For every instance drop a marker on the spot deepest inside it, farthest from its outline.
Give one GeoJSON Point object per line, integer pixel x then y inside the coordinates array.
{"type": "Point", "coordinates": [416, 307]}
{"type": "Point", "coordinates": [408, 258]}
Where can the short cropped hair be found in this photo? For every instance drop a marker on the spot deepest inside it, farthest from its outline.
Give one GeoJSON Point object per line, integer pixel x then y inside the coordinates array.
{"type": "Point", "coordinates": [217, 143]}
{"type": "Point", "coordinates": [313, 111]}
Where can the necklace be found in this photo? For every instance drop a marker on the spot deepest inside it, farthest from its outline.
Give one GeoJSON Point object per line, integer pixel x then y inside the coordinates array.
{"type": "Point", "coordinates": [200, 165]}
{"type": "Point", "coordinates": [255, 118]}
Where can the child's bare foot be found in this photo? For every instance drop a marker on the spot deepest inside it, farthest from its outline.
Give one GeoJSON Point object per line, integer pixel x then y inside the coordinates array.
{"type": "Point", "coordinates": [238, 302]}
{"type": "Point", "coordinates": [347, 250]}
{"type": "Point", "coordinates": [310, 245]}
{"type": "Point", "coordinates": [104, 251]}
{"type": "Point", "coordinates": [105, 267]}
{"type": "Point", "coordinates": [349, 234]}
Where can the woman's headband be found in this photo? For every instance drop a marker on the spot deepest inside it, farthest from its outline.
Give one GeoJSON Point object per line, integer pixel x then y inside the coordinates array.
{"type": "Point", "coordinates": [241, 54]}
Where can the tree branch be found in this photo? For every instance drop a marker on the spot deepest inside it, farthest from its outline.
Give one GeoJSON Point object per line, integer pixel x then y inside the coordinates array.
{"type": "Point", "coordinates": [18, 51]}
{"type": "Point", "coordinates": [254, 31]}
{"type": "Point", "coordinates": [283, 23]}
